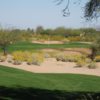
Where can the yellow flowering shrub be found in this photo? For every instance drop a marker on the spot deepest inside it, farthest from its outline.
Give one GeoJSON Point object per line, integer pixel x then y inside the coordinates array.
{"type": "Point", "coordinates": [80, 63]}
{"type": "Point", "coordinates": [69, 58]}
{"type": "Point", "coordinates": [37, 58]}
{"type": "Point", "coordinates": [97, 58]}
{"type": "Point", "coordinates": [18, 56]}
{"type": "Point", "coordinates": [27, 55]}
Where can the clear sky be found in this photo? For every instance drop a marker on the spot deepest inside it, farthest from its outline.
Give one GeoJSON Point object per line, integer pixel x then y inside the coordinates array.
{"type": "Point", "coordinates": [32, 13]}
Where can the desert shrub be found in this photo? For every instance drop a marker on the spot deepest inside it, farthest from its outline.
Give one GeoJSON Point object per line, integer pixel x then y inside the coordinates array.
{"type": "Point", "coordinates": [53, 54]}
{"type": "Point", "coordinates": [10, 61]}
{"type": "Point", "coordinates": [26, 55]}
{"type": "Point", "coordinates": [16, 62]}
{"type": "Point", "coordinates": [30, 60]}
{"type": "Point", "coordinates": [10, 58]}
{"type": "Point", "coordinates": [97, 58]}
{"type": "Point", "coordinates": [47, 55]}
{"type": "Point", "coordinates": [69, 58]}
{"type": "Point", "coordinates": [82, 60]}
{"type": "Point", "coordinates": [50, 54]}
{"type": "Point", "coordinates": [80, 63]}
{"type": "Point", "coordinates": [2, 58]}
{"type": "Point", "coordinates": [92, 65]}
{"type": "Point", "coordinates": [57, 38]}
{"type": "Point", "coordinates": [21, 55]}
{"type": "Point", "coordinates": [88, 60]}
{"type": "Point", "coordinates": [60, 57]}
{"type": "Point", "coordinates": [37, 58]}
{"type": "Point", "coordinates": [76, 38]}
{"type": "Point", "coordinates": [18, 57]}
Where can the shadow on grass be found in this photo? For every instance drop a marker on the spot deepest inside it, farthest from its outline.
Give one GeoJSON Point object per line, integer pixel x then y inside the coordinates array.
{"type": "Point", "coordinates": [23, 93]}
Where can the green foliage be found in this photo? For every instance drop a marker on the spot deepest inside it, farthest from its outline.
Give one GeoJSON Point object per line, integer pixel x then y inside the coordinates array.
{"type": "Point", "coordinates": [39, 30]}
{"type": "Point", "coordinates": [92, 9]}
{"type": "Point", "coordinates": [7, 37]}
{"type": "Point", "coordinates": [95, 48]}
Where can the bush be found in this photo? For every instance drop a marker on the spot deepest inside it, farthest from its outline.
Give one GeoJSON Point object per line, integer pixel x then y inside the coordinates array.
{"type": "Point", "coordinates": [37, 58]}
{"type": "Point", "coordinates": [18, 56]}
{"type": "Point", "coordinates": [92, 65]}
{"type": "Point", "coordinates": [60, 57]}
{"type": "Point", "coordinates": [75, 38]}
{"type": "Point", "coordinates": [10, 59]}
{"type": "Point", "coordinates": [97, 58]}
{"type": "Point", "coordinates": [69, 58]}
{"type": "Point", "coordinates": [80, 63]}
{"type": "Point", "coordinates": [30, 60]}
{"type": "Point", "coordinates": [16, 62]}
{"type": "Point", "coordinates": [2, 58]}
{"type": "Point", "coordinates": [26, 55]}
{"type": "Point", "coordinates": [50, 54]}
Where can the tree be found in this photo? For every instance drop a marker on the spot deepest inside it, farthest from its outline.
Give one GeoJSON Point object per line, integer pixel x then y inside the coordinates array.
{"type": "Point", "coordinates": [6, 38]}
{"type": "Point", "coordinates": [91, 10]}
{"type": "Point", "coordinates": [39, 30]}
{"type": "Point", "coordinates": [95, 48]}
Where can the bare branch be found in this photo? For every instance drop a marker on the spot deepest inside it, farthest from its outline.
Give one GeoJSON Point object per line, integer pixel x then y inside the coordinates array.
{"type": "Point", "coordinates": [65, 11]}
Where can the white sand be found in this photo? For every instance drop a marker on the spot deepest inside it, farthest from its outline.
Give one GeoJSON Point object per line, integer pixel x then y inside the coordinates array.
{"type": "Point", "coordinates": [48, 42]}
{"type": "Point", "coordinates": [52, 66]}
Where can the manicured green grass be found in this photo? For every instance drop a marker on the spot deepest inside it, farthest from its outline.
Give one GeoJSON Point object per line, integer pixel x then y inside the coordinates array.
{"type": "Point", "coordinates": [32, 46]}
{"type": "Point", "coordinates": [21, 85]}
{"type": "Point", "coordinates": [10, 77]}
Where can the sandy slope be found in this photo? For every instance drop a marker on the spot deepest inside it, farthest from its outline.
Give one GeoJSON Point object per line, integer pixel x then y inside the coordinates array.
{"type": "Point", "coordinates": [52, 66]}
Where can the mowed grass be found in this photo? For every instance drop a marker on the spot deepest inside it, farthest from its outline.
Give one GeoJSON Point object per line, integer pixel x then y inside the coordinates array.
{"type": "Point", "coordinates": [33, 46]}
{"type": "Point", "coordinates": [10, 77]}
{"type": "Point", "coordinates": [21, 85]}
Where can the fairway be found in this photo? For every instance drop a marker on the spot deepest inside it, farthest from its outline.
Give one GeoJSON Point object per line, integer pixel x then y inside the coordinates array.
{"type": "Point", "coordinates": [33, 46]}
{"type": "Point", "coordinates": [47, 86]}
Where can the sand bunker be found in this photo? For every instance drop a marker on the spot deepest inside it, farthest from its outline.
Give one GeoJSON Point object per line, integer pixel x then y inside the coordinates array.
{"type": "Point", "coordinates": [52, 66]}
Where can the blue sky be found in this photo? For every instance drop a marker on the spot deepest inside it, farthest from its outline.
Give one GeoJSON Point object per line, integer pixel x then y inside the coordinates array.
{"type": "Point", "coordinates": [32, 13]}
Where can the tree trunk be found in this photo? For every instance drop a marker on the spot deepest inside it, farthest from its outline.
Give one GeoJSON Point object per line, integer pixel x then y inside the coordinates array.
{"type": "Point", "coordinates": [93, 53]}
{"type": "Point", "coordinates": [4, 50]}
